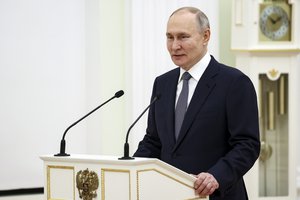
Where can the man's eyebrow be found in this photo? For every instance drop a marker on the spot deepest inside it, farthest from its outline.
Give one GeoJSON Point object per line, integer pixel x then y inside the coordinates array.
{"type": "Point", "coordinates": [177, 34]}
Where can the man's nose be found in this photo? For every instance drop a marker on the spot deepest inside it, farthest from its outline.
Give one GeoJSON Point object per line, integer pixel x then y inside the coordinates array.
{"type": "Point", "coordinates": [176, 44]}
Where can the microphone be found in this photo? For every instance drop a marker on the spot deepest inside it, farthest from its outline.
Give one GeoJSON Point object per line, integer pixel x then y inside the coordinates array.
{"type": "Point", "coordinates": [126, 145]}
{"type": "Point", "coordinates": [63, 142]}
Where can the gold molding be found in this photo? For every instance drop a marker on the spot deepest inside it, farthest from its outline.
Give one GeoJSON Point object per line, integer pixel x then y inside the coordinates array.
{"type": "Point", "coordinates": [282, 95]}
{"type": "Point", "coordinates": [260, 97]}
{"type": "Point", "coordinates": [271, 117]}
{"type": "Point", "coordinates": [103, 170]}
{"type": "Point", "coordinates": [166, 175]}
{"type": "Point", "coordinates": [49, 167]}
{"type": "Point", "coordinates": [279, 50]}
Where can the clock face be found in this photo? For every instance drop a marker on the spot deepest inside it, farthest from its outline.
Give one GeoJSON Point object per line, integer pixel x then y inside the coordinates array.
{"type": "Point", "coordinates": [274, 22]}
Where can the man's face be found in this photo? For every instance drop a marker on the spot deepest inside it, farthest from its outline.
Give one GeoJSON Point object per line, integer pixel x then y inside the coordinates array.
{"type": "Point", "coordinates": [185, 43]}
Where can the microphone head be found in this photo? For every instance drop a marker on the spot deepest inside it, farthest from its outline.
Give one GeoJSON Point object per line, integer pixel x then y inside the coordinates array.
{"type": "Point", "coordinates": [119, 93]}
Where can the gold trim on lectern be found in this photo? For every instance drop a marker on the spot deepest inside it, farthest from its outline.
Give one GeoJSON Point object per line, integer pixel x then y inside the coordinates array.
{"type": "Point", "coordinates": [197, 198]}
{"type": "Point", "coordinates": [166, 175]}
{"type": "Point", "coordinates": [103, 180]}
{"type": "Point", "coordinates": [49, 183]}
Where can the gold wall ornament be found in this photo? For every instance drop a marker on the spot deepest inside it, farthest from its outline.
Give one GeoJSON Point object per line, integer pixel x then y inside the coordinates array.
{"type": "Point", "coordinates": [265, 151]}
{"type": "Point", "coordinates": [271, 111]}
{"type": "Point", "coordinates": [282, 97]}
{"type": "Point", "coordinates": [273, 74]}
{"type": "Point", "coordinates": [87, 183]}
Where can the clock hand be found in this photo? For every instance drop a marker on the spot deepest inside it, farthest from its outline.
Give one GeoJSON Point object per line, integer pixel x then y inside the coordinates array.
{"type": "Point", "coordinates": [272, 20]}
{"type": "Point", "coordinates": [278, 19]}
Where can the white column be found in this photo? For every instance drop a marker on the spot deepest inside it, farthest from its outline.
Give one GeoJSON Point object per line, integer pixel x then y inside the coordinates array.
{"type": "Point", "coordinates": [106, 72]}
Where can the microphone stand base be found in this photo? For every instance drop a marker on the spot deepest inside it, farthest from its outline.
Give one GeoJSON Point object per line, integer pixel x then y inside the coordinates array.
{"type": "Point", "coordinates": [62, 154]}
{"type": "Point", "coordinates": [126, 158]}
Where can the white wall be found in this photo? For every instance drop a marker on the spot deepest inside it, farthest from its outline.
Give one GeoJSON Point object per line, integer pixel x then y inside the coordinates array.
{"type": "Point", "coordinates": [42, 85]}
{"type": "Point", "coordinates": [106, 74]}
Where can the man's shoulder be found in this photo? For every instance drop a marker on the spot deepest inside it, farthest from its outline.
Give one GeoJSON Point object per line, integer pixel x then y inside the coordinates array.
{"type": "Point", "coordinates": [169, 74]}
{"type": "Point", "coordinates": [222, 69]}
{"type": "Point", "coordinates": [229, 73]}
{"type": "Point", "coordinates": [230, 70]}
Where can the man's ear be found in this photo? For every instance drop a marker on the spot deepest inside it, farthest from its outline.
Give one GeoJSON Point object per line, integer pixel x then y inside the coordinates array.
{"type": "Point", "coordinates": [206, 36]}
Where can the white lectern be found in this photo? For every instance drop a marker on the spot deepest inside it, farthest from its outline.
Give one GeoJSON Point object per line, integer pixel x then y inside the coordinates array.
{"type": "Point", "coordinates": [91, 177]}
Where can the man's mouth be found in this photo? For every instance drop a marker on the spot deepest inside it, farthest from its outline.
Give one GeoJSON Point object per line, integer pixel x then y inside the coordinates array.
{"type": "Point", "coordinates": [177, 55]}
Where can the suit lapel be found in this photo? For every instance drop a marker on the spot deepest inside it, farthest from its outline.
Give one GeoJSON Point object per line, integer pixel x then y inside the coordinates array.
{"type": "Point", "coordinates": [204, 87]}
{"type": "Point", "coordinates": [170, 93]}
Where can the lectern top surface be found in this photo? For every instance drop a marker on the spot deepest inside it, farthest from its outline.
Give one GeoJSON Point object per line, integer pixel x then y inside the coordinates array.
{"type": "Point", "coordinates": [113, 160]}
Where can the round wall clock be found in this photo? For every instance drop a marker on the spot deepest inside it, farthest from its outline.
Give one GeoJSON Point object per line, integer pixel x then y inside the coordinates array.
{"type": "Point", "coordinates": [274, 22]}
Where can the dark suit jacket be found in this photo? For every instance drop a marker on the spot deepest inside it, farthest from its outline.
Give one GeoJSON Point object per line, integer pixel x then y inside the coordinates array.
{"type": "Point", "coordinates": [219, 135]}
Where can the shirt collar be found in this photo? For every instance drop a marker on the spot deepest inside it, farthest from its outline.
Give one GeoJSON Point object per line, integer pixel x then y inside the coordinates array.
{"type": "Point", "coordinates": [198, 69]}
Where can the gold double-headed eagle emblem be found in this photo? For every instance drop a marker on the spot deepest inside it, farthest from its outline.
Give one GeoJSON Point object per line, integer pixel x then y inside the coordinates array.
{"type": "Point", "coordinates": [87, 183]}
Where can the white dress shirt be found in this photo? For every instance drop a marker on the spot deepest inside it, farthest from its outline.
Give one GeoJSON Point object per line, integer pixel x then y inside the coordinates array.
{"type": "Point", "coordinates": [196, 72]}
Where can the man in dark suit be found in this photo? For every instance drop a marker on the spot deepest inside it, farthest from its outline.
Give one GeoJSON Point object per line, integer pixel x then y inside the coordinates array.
{"type": "Point", "coordinates": [218, 140]}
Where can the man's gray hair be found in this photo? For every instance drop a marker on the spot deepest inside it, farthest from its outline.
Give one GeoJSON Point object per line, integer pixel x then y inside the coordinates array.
{"type": "Point", "coordinates": [201, 17]}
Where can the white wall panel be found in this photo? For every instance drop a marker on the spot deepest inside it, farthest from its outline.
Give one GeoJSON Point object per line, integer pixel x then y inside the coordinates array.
{"type": "Point", "coordinates": [42, 85]}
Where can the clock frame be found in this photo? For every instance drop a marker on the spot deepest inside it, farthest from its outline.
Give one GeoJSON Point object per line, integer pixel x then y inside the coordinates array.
{"type": "Point", "coordinates": [275, 21]}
